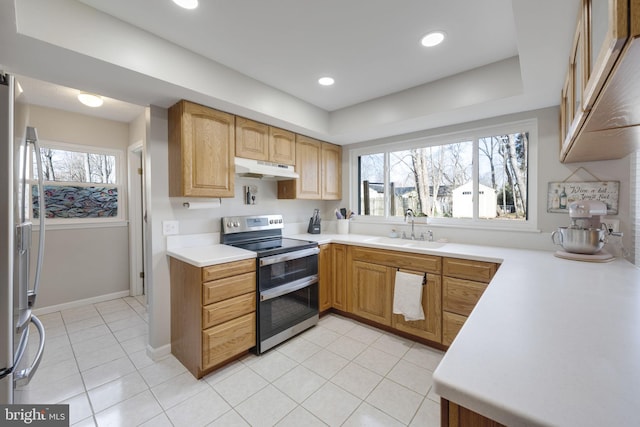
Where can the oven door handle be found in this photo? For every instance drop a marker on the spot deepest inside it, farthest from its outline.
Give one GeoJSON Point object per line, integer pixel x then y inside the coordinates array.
{"type": "Point", "coordinates": [288, 256]}
{"type": "Point", "coordinates": [288, 288]}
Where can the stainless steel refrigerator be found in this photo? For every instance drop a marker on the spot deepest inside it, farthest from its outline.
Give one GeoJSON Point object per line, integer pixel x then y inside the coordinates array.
{"type": "Point", "coordinates": [19, 283]}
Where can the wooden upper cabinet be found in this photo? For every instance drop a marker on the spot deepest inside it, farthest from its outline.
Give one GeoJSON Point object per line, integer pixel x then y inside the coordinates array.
{"type": "Point", "coordinates": [259, 141]}
{"type": "Point", "coordinates": [331, 172]}
{"type": "Point", "coordinates": [282, 146]}
{"type": "Point", "coordinates": [201, 151]}
{"type": "Point", "coordinates": [319, 165]}
{"type": "Point", "coordinates": [309, 167]}
{"type": "Point", "coordinates": [252, 139]}
{"type": "Point", "coordinates": [604, 119]}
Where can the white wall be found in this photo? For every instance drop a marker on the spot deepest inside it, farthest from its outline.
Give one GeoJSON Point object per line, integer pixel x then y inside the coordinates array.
{"type": "Point", "coordinates": [88, 262]}
{"type": "Point", "coordinates": [549, 169]}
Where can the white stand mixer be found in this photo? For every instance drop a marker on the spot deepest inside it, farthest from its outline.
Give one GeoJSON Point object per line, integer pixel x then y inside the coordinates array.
{"type": "Point", "coordinates": [586, 235]}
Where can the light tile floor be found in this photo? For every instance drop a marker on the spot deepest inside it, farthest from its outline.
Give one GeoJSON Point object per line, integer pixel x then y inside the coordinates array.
{"type": "Point", "coordinates": [339, 373]}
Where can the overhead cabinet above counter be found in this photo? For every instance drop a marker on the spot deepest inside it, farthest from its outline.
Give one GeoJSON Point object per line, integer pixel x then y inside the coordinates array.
{"type": "Point", "coordinates": [206, 145]}
{"type": "Point", "coordinates": [600, 100]}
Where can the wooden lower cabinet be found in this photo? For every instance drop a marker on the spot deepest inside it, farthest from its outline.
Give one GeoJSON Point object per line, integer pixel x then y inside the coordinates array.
{"type": "Point", "coordinates": [451, 325]}
{"type": "Point", "coordinates": [325, 279]}
{"type": "Point", "coordinates": [463, 283]}
{"type": "Point", "coordinates": [213, 313]}
{"type": "Point", "coordinates": [454, 415]}
{"type": "Point", "coordinates": [339, 263]}
{"type": "Point", "coordinates": [431, 327]}
{"type": "Point", "coordinates": [372, 291]}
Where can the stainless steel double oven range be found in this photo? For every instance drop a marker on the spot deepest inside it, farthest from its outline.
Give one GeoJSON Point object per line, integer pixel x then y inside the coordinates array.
{"type": "Point", "coordinates": [287, 276]}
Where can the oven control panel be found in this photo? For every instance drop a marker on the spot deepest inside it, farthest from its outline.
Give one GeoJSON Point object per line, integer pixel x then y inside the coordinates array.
{"type": "Point", "coordinates": [240, 224]}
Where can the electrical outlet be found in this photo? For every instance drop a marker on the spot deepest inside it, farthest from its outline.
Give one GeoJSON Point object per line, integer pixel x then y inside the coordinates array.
{"type": "Point", "coordinates": [169, 228]}
{"type": "Point", "coordinates": [613, 225]}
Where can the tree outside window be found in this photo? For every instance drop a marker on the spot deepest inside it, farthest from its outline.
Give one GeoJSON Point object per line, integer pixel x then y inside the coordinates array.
{"type": "Point", "coordinates": [440, 181]}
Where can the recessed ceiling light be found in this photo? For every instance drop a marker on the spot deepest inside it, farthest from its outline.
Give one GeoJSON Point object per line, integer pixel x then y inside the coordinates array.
{"type": "Point", "coordinates": [326, 81]}
{"type": "Point", "coordinates": [432, 39]}
{"type": "Point", "coordinates": [187, 4]}
{"type": "Point", "coordinates": [90, 100]}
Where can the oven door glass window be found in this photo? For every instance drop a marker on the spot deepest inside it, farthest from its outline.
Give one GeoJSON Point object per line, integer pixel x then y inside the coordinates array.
{"type": "Point", "coordinates": [282, 312]}
{"type": "Point", "coordinates": [280, 273]}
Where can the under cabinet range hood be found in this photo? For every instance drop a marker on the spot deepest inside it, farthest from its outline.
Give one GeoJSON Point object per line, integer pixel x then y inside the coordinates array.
{"type": "Point", "coordinates": [261, 169]}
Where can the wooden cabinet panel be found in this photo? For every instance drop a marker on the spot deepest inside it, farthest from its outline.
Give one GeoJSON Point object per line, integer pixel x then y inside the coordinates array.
{"type": "Point", "coordinates": [325, 273]}
{"type": "Point", "coordinates": [339, 287]}
{"type": "Point", "coordinates": [201, 151]}
{"type": "Point", "coordinates": [308, 166]}
{"type": "Point", "coordinates": [225, 341]}
{"type": "Point", "coordinates": [227, 269]}
{"type": "Point", "coordinates": [372, 288]}
{"type": "Point", "coordinates": [252, 139]}
{"type": "Point", "coordinates": [331, 172]}
{"type": "Point", "coordinates": [402, 260]}
{"type": "Point", "coordinates": [460, 296]}
{"type": "Point", "coordinates": [478, 271]}
{"type": "Point", "coordinates": [319, 165]}
{"type": "Point", "coordinates": [223, 311]}
{"type": "Point", "coordinates": [451, 325]}
{"type": "Point", "coordinates": [453, 415]}
{"type": "Point", "coordinates": [219, 290]}
{"type": "Point", "coordinates": [282, 146]}
{"type": "Point", "coordinates": [431, 327]}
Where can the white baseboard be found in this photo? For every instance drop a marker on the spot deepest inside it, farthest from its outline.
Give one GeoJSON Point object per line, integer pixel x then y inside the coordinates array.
{"type": "Point", "coordinates": [158, 353]}
{"type": "Point", "coordinates": [79, 303]}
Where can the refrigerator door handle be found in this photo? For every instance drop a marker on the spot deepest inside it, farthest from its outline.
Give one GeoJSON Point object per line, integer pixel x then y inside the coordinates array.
{"type": "Point", "coordinates": [23, 376]}
{"type": "Point", "coordinates": [32, 137]}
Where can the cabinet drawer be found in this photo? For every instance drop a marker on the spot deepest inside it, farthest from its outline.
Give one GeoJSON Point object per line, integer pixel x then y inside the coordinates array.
{"type": "Point", "coordinates": [221, 271]}
{"type": "Point", "coordinates": [467, 269]}
{"type": "Point", "coordinates": [227, 340]}
{"type": "Point", "coordinates": [460, 296]}
{"type": "Point", "coordinates": [229, 287]}
{"type": "Point", "coordinates": [403, 260]}
{"type": "Point", "coordinates": [451, 325]}
{"type": "Point", "coordinates": [223, 311]}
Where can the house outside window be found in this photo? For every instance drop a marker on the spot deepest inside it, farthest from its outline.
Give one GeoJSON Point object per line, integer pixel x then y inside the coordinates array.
{"type": "Point", "coordinates": [474, 177]}
{"type": "Point", "coordinates": [81, 184]}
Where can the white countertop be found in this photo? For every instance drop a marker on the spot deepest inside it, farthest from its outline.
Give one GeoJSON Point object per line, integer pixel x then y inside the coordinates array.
{"type": "Point", "coordinates": [551, 341]}
{"type": "Point", "coordinates": [203, 256]}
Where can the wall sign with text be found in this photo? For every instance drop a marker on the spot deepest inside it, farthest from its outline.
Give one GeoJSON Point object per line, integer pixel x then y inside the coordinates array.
{"type": "Point", "coordinates": [560, 194]}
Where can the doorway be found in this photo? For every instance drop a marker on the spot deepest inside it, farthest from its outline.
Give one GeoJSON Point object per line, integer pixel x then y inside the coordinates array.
{"type": "Point", "coordinates": [136, 222]}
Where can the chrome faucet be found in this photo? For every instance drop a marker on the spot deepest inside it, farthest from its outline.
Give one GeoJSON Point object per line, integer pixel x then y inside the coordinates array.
{"type": "Point", "coordinates": [410, 214]}
{"type": "Point", "coordinates": [429, 235]}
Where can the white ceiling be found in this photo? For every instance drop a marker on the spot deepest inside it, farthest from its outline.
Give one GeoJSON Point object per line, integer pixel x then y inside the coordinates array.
{"type": "Point", "coordinates": [263, 58]}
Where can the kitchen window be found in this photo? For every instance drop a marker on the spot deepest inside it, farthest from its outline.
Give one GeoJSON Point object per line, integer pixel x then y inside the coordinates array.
{"type": "Point", "coordinates": [82, 184]}
{"type": "Point", "coordinates": [479, 177]}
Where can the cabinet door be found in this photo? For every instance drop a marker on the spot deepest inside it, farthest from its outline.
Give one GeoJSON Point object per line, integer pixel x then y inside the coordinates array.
{"type": "Point", "coordinates": [606, 30]}
{"type": "Point", "coordinates": [308, 155]}
{"type": "Point", "coordinates": [339, 274]}
{"type": "Point", "coordinates": [252, 139]}
{"type": "Point", "coordinates": [372, 287]}
{"type": "Point", "coordinates": [201, 153]}
{"type": "Point", "coordinates": [325, 277]}
{"type": "Point", "coordinates": [282, 146]}
{"type": "Point", "coordinates": [331, 172]}
{"type": "Point", "coordinates": [431, 327]}
{"type": "Point", "coordinates": [451, 325]}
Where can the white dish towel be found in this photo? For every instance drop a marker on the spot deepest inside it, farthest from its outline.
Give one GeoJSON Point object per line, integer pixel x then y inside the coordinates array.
{"type": "Point", "coordinates": [407, 296]}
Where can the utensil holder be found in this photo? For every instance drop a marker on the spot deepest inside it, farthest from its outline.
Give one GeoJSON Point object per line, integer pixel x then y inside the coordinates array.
{"type": "Point", "coordinates": [343, 226]}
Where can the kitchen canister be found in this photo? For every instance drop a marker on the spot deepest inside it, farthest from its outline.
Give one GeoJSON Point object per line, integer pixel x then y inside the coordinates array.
{"type": "Point", "coordinates": [343, 226]}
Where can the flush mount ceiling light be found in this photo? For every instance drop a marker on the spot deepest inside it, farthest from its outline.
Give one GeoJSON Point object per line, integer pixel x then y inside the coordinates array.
{"type": "Point", "coordinates": [326, 81]}
{"type": "Point", "coordinates": [187, 4]}
{"type": "Point", "coordinates": [90, 100]}
{"type": "Point", "coordinates": [432, 39]}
